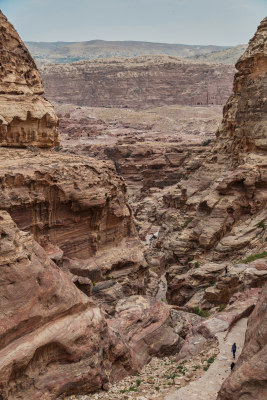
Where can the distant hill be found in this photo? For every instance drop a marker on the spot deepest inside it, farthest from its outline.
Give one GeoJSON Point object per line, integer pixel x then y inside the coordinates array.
{"type": "Point", "coordinates": [67, 52]}
{"type": "Point", "coordinates": [225, 56]}
{"type": "Point", "coordinates": [138, 82]}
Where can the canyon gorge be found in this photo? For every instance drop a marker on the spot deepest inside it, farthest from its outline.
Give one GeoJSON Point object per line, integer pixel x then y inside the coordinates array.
{"type": "Point", "coordinates": [133, 226]}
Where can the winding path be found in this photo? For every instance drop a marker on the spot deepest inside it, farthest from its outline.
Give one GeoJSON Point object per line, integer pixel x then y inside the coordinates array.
{"type": "Point", "coordinates": [207, 387]}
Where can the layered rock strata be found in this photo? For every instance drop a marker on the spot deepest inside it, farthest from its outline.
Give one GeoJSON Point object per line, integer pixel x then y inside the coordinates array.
{"type": "Point", "coordinates": [52, 337]}
{"type": "Point", "coordinates": [76, 208]}
{"type": "Point", "coordinates": [222, 207]}
{"type": "Point", "coordinates": [139, 82]}
{"type": "Point", "coordinates": [26, 118]}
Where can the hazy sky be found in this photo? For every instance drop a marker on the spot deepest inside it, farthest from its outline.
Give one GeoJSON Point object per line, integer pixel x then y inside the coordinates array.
{"type": "Point", "coordinates": [221, 22]}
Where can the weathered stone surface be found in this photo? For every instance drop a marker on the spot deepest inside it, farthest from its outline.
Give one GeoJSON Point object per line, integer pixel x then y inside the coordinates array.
{"type": "Point", "coordinates": [138, 82]}
{"type": "Point", "coordinates": [204, 332]}
{"type": "Point", "coordinates": [80, 206]}
{"type": "Point", "coordinates": [222, 207]}
{"type": "Point", "coordinates": [52, 336]}
{"type": "Point", "coordinates": [248, 378]}
{"type": "Point", "coordinates": [26, 118]}
{"type": "Point", "coordinates": [243, 129]}
{"type": "Point", "coordinates": [142, 328]}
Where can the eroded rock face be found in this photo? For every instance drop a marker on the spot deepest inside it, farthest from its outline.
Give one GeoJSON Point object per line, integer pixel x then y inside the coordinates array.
{"type": "Point", "coordinates": [138, 82]}
{"type": "Point", "coordinates": [52, 337]}
{"type": "Point", "coordinates": [144, 327]}
{"type": "Point", "coordinates": [248, 378]}
{"type": "Point", "coordinates": [243, 129]}
{"type": "Point", "coordinates": [80, 206]}
{"type": "Point", "coordinates": [26, 118]}
{"type": "Point", "coordinates": [222, 207]}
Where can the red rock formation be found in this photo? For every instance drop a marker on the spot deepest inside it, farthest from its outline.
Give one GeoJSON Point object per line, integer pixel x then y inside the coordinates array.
{"type": "Point", "coordinates": [223, 206]}
{"type": "Point", "coordinates": [52, 336]}
{"type": "Point", "coordinates": [243, 129]}
{"type": "Point", "coordinates": [26, 118]}
{"type": "Point", "coordinates": [248, 379]}
{"type": "Point", "coordinates": [138, 82]}
{"type": "Point", "coordinates": [143, 328]}
{"type": "Point", "coordinates": [79, 205]}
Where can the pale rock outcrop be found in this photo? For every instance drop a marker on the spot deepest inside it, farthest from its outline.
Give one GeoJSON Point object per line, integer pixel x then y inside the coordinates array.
{"type": "Point", "coordinates": [26, 118]}
{"type": "Point", "coordinates": [144, 327]}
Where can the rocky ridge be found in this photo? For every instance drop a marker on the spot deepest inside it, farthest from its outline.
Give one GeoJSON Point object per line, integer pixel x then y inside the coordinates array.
{"type": "Point", "coordinates": [67, 52]}
{"type": "Point", "coordinates": [139, 82]}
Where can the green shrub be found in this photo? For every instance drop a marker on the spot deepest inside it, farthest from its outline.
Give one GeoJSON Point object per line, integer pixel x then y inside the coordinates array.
{"type": "Point", "coordinates": [138, 382]}
{"type": "Point", "coordinates": [206, 142]}
{"type": "Point", "coordinates": [206, 368]}
{"type": "Point", "coordinates": [261, 225]}
{"type": "Point", "coordinates": [172, 376]}
{"type": "Point", "coordinates": [222, 307]}
{"type": "Point", "coordinates": [212, 283]}
{"type": "Point", "coordinates": [128, 154]}
{"type": "Point", "coordinates": [190, 219]}
{"type": "Point", "coordinates": [211, 360]}
{"type": "Point", "coordinates": [197, 264]}
{"type": "Point", "coordinates": [201, 313]}
{"type": "Point", "coordinates": [254, 257]}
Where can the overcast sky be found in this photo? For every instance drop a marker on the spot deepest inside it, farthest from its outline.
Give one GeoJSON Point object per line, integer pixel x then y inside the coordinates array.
{"type": "Point", "coordinates": [220, 22]}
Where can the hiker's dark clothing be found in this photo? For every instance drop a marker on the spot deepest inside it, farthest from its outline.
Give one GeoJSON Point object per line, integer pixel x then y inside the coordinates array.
{"type": "Point", "coordinates": [232, 365]}
{"type": "Point", "coordinates": [234, 350]}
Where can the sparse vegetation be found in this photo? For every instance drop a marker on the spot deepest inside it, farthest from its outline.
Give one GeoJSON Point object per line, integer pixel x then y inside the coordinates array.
{"type": "Point", "coordinates": [190, 219]}
{"type": "Point", "coordinates": [197, 264]}
{"type": "Point", "coordinates": [211, 360]}
{"type": "Point", "coordinates": [254, 257]}
{"type": "Point", "coordinates": [221, 307]}
{"type": "Point", "coordinates": [128, 154]}
{"type": "Point", "coordinates": [212, 283]}
{"type": "Point", "coordinates": [261, 225]}
{"type": "Point", "coordinates": [201, 313]}
{"type": "Point", "coordinates": [206, 142]}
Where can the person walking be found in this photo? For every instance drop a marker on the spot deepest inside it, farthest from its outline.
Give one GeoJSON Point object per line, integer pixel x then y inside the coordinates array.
{"type": "Point", "coordinates": [234, 349]}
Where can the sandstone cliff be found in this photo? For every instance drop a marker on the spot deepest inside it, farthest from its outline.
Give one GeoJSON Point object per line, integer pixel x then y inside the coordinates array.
{"type": "Point", "coordinates": [26, 118]}
{"type": "Point", "coordinates": [219, 212]}
{"type": "Point", "coordinates": [52, 336]}
{"type": "Point", "coordinates": [64, 209]}
{"type": "Point", "coordinates": [138, 82]}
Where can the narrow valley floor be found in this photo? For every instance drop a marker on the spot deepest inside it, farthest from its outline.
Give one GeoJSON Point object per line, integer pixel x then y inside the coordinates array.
{"type": "Point", "coordinates": [207, 387]}
{"type": "Point", "coordinates": [159, 379]}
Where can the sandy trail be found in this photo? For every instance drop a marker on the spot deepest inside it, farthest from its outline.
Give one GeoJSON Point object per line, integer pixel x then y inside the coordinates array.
{"type": "Point", "coordinates": [207, 387]}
